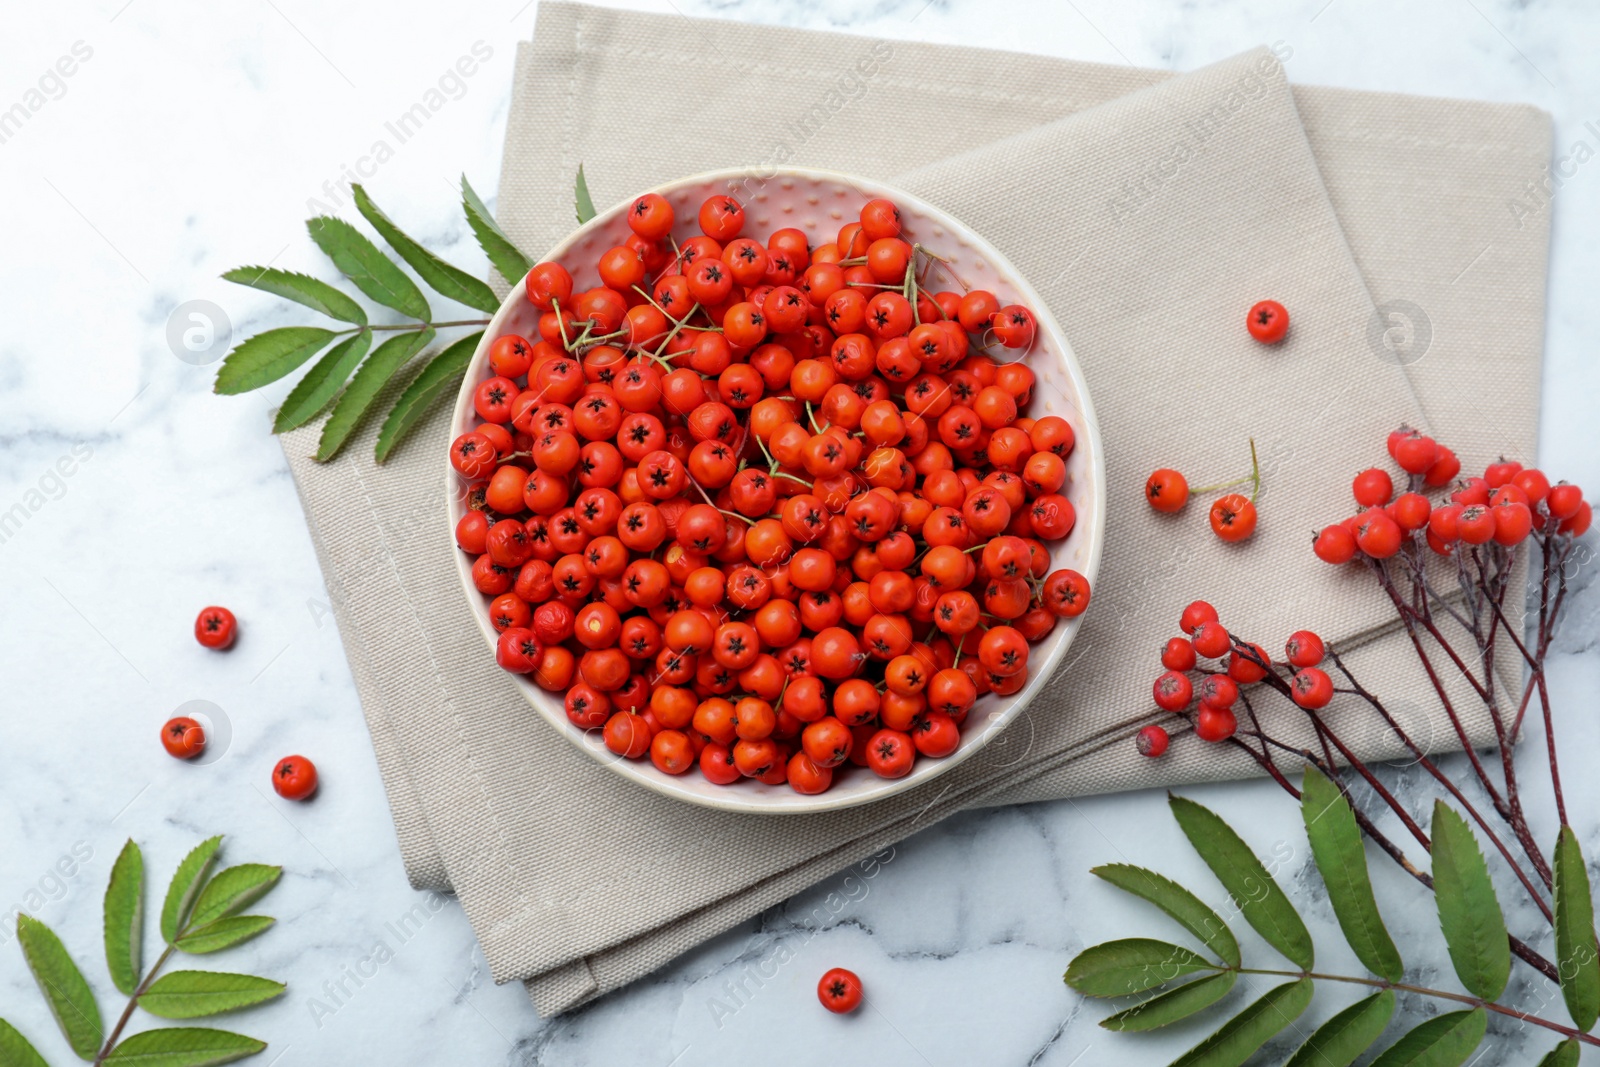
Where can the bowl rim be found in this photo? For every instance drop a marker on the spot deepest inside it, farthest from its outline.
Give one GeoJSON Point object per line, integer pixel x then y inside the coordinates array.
{"type": "Point", "coordinates": [725, 799]}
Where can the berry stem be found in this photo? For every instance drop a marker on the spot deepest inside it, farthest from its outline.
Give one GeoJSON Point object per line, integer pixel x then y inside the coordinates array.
{"type": "Point", "coordinates": [1484, 577]}
{"type": "Point", "coordinates": [1255, 472]}
{"type": "Point", "coordinates": [677, 324]}
{"type": "Point", "coordinates": [1443, 779]}
{"type": "Point", "coordinates": [561, 323]}
{"type": "Point", "coordinates": [1220, 485]}
{"type": "Point", "coordinates": [1519, 948]}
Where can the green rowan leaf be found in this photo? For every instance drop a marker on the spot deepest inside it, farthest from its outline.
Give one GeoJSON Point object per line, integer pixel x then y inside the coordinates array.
{"type": "Point", "coordinates": [186, 884]}
{"type": "Point", "coordinates": [1348, 1034]}
{"type": "Point", "coordinates": [65, 990]}
{"type": "Point", "coordinates": [183, 1046]}
{"type": "Point", "coordinates": [1173, 1005]}
{"type": "Point", "coordinates": [124, 918]}
{"type": "Point", "coordinates": [1469, 912]}
{"type": "Point", "coordinates": [196, 994]}
{"type": "Point", "coordinates": [1260, 899]}
{"type": "Point", "coordinates": [312, 393]}
{"type": "Point", "coordinates": [265, 357]}
{"type": "Point", "coordinates": [224, 933]}
{"type": "Point", "coordinates": [364, 388]}
{"type": "Point", "coordinates": [233, 889]}
{"type": "Point", "coordinates": [1239, 1038]}
{"type": "Point", "coordinates": [1442, 1041]}
{"type": "Point", "coordinates": [302, 289]}
{"type": "Point", "coordinates": [1342, 859]}
{"type": "Point", "coordinates": [1122, 968]}
{"type": "Point", "coordinates": [581, 201]}
{"type": "Point", "coordinates": [372, 272]}
{"type": "Point", "coordinates": [445, 279]}
{"type": "Point", "coordinates": [15, 1051]}
{"type": "Point", "coordinates": [434, 380]}
{"type": "Point", "coordinates": [1189, 910]}
{"type": "Point", "coordinates": [1577, 951]}
{"type": "Point", "coordinates": [506, 256]}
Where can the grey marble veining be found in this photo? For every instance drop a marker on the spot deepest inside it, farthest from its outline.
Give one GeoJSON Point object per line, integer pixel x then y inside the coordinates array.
{"type": "Point", "coordinates": [191, 138]}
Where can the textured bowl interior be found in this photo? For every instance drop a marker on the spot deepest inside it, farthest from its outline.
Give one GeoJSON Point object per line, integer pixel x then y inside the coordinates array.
{"type": "Point", "coordinates": [819, 202]}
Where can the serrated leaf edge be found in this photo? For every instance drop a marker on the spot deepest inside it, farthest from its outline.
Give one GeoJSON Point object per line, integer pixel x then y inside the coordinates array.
{"type": "Point", "coordinates": [1270, 911]}
{"type": "Point", "coordinates": [175, 909]}
{"type": "Point", "coordinates": [1341, 860]}
{"type": "Point", "coordinates": [124, 947]}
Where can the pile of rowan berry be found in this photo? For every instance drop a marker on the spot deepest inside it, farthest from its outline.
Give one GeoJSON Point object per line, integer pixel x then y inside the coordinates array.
{"type": "Point", "coordinates": [1208, 703]}
{"type": "Point", "coordinates": [1507, 504]}
{"type": "Point", "coordinates": [764, 509]}
{"type": "Point", "coordinates": [1504, 507]}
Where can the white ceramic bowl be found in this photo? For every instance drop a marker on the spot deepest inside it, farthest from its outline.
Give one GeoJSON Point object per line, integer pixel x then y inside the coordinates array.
{"type": "Point", "coordinates": [819, 202]}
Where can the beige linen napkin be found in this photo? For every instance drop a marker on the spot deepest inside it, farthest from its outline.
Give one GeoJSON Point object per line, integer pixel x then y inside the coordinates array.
{"type": "Point", "coordinates": [1148, 222]}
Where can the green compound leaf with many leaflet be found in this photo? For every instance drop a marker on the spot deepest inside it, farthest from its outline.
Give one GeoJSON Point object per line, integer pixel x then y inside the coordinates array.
{"type": "Point", "coordinates": [1189, 910]}
{"type": "Point", "coordinates": [302, 289]}
{"type": "Point", "coordinates": [1173, 1005]}
{"type": "Point", "coordinates": [1239, 1038]}
{"type": "Point", "coordinates": [1133, 965]}
{"type": "Point", "coordinates": [124, 918]}
{"type": "Point", "coordinates": [1442, 1041]}
{"type": "Point", "coordinates": [1260, 899]}
{"type": "Point", "coordinates": [183, 1046]}
{"type": "Point", "coordinates": [506, 256]}
{"type": "Point", "coordinates": [233, 889]}
{"type": "Point", "coordinates": [1469, 912]}
{"type": "Point", "coordinates": [1348, 1034]}
{"type": "Point", "coordinates": [224, 933]}
{"type": "Point", "coordinates": [372, 272]}
{"type": "Point", "coordinates": [443, 371]}
{"type": "Point", "coordinates": [15, 1051]}
{"type": "Point", "coordinates": [312, 393]}
{"type": "Point", "coordinates": [582, 202]}
{"type": "Point", "coordinates": [1577, 951]}
{"type": "Point", "coordinates": [266, 357]}
{"type": "Point", "coordinates": [445, 279]}
{"type": "Point", "coordinates": [364, 388]}
{"type": "Point", "coordinates": [196, 994]}
{"type": "Point", "coordinates": [1341, 857]}
{"type": "Point", "coordinates": [186, 884]}
{"type": "Point", "coordinates": [68, 994]}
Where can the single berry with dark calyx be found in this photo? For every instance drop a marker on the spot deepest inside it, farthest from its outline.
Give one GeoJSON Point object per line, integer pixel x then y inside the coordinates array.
{"type": "Point", "coordinates": [216, 628]}
{"type": "Point", "coordinates": [1267, 322]}
{"type": "Point", "coordinates": [1218, 691]}
{"type": "Point", "coordinates": [1197, 612]}
{"type": "Point", "coordinates": [1211, 640]}
{"type": "Point", "coordinates": [1166, 490]}
{"type": "Point", "coordinates": [1233, 517]}
{"type": "Point", "coordinates": [294, 778]}
{"type": "Point", "coordinates": [183, 737]}
{"type": "Point", "coordinates": [1173, 691]}
{"type": "Point", "coordinates": [1311, 688]}
{"type": "Point", "coordinates": [1178, 655]}
{"type": "Point", "coordinates": [839, 990]}
{"type": "Point", "coordinates": [1151, 741]}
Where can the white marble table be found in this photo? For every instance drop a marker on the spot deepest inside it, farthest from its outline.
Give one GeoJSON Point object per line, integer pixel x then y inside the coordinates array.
{"type": "Point", "coordinates": [189, 141]}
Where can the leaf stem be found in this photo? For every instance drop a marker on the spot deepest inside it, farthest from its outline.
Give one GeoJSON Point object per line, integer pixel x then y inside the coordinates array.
{"type": "Point", "coordinates": [133, 999]}
{"type": "Point", "coordinates": [424, 325]}
{"type": "Point", "coordinates": [1425, 991]}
